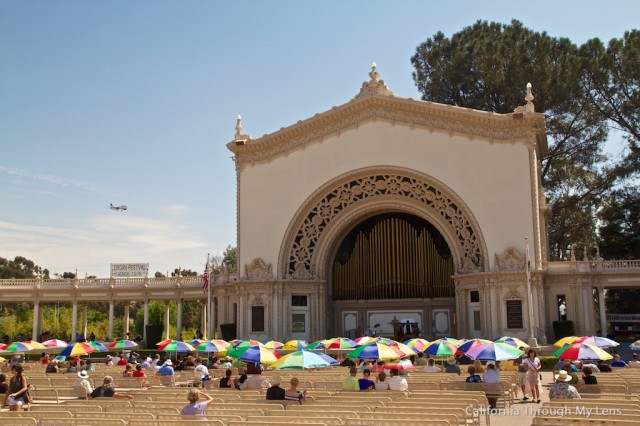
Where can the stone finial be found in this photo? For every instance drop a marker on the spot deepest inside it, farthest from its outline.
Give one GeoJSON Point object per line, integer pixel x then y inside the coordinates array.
{"type": "Point", "coordinates": [585, 257]}
{"type": "Point", "coordinates": [597, 253]}
{"type": "Point", "coordinates": [529, 107]}
{"type": "Point", "coordinates": [573, 254]}
{"type": "Point", "coordinates": [375, 86]}
{"type": "Point", "coordinates": [240, 138]}
{"type": "Point", "coordinates": [374, 74]}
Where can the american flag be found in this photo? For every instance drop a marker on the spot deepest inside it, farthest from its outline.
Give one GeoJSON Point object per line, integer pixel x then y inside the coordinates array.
{"type": "Point", "coordinates": [205, 281]}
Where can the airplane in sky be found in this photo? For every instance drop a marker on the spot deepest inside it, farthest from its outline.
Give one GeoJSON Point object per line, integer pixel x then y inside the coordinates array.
{"type": "Point", "coordinates": [118, 208]}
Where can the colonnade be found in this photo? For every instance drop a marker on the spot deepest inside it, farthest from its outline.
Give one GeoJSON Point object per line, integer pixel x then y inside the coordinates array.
{"type": "Point", "coordinates": [37, 320]}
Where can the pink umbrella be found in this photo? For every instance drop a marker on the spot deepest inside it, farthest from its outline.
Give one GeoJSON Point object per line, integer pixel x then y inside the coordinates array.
{"type": "Point", "coordinates": [55, 343]}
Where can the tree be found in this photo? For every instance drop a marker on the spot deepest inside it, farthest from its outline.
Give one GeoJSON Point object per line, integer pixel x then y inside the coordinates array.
{"type": "Point", "coordinates": [484, 65]}
{"type": "Point", "coordinates": [230, 258]}
{"type": "Point", "coordinates": [21, 267]}
{"type": "Point", "coordinates": [620, 225]}
{"type": "Point", "coordinates": [612, 83]}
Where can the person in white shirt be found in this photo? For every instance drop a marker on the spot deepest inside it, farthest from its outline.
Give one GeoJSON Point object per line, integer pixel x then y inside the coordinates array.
{"type": "Point", "coordinates": [202, 370]}
{"type": "Point", "coordinates": [380, 383]}
{"type": "Point", "coordinates": [431, 367]}
{"type": "Point", "coordinates": [116, 359]}
{"type": "Point", "coordinates": [83, 381]}
{"type": "Point", "coordinates": [491, 376]}
{"type": "Point", "coordinates": [397, 383]}
{"type": "Point", "coordinates": [634, 363]}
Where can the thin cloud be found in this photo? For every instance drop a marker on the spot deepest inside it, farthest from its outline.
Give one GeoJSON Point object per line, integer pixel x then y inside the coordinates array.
{"type": "Point", "coordinates": [177, 209]}
{"type": "Point", "coordinates": [54, 180]}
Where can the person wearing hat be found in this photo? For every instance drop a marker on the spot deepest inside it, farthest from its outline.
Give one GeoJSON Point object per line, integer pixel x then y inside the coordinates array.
{"type": "Point", "coordinates": [166, 369]}
{"type": "Point", "coordinates": [635, 363]}
{"type": "Point", "coordinates": [275, 392]}
{"type": "Point", "coordinates": [561, 389]}
{"type": "Point", "coordinates": [83, 382]}
{"type": "Point", "coordinates": [451, 366]}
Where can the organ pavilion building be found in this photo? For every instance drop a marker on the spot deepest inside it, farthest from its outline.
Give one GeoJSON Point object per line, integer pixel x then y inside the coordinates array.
{"type": "Point", "coordinates": [387, 208]}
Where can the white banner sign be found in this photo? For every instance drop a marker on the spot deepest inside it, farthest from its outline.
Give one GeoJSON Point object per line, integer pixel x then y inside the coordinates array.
{"type": "Point", "coordinates": [623, 317]}
{"type": "Point", "coordinates": [129, 270]}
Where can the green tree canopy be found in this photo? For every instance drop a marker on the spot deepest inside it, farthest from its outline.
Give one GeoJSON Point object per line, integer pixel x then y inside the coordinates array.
{"type": "Point", "coordinates": [21, 267]}
{"type": "Point", "coordinates": [487, 65]}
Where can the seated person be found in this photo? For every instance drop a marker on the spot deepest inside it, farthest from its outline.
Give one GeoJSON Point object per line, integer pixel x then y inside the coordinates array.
{"type": "Point", "coordinates": [431, 367]}
{"type": "Point", "coordinates": [451, 366]}
{"type": "Point", "coordinates": [128, 371]}
{"type": "Point", "coordinates": [365, 383]}
{"type": "Point", "coordinates": [634, 363]}
{"type": "Point", "coordinates": [587, 377]}
{"type": "Point", "coordinates": [293, 394]}
{"type": "Point", "coordinates": [227, 381]}
{"type": "Point", "coordinates": [562, 389]}
{"type": "Point", "coordinates": [83, 381]}
{"type": "Point", "coordinates": [421, 361]}
{"type": "Point", "coordinates": [256, 381]}
{"type": "Point", "coordinates": [107, 390]}
{"type": "Point", "coordinates": [473, 377]}
{"type": "Point", "coordinates": [380, 383]}
{"type": "Point", "coordinates": [617, 362]}
{"type": "Point", "coordinates": [4, 387]}
{"type": "Point", "coordinates": [275, 392]}
{"type": "Point", "coordinates": [350, 383]}
{"type": "Point", "coordinates": [52, 367]}
{"type": "Point", "coordinates": [604, 368]}
{"type": "Point", "coordinates": [195, 408]}
{"type": "Point", "coordinates": [397, 383]}
{"type": "Point", "coordinates": [141, 375]}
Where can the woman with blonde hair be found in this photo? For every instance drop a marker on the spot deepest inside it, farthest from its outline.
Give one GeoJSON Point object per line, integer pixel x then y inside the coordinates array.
{"type": "Point", "coordinates": [195, 408]}
{"type": "Point", "coordinates": [293, 394]}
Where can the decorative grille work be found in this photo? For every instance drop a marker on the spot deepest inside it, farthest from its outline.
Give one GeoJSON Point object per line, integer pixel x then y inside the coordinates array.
{"type": "Point", "coordinates": [320, 216]}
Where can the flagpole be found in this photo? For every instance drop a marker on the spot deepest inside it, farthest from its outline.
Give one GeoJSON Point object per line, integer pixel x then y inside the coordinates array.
{"type": "Point", "coordinates": [208, 330]}
{"type": "Point", "coordinates": [527, 267]}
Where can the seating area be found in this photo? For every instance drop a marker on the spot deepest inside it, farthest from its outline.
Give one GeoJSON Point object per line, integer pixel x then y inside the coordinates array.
{"type": "Point", "coordinates": [433, 399]}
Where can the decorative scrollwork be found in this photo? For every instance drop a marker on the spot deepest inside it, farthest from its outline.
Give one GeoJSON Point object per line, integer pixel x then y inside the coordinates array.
{"type": "Point", "coordinates": [301, 252]}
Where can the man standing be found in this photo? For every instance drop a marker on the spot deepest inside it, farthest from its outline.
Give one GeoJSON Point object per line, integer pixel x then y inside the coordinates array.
{"type": "Point", "coordinates": [350, 383]}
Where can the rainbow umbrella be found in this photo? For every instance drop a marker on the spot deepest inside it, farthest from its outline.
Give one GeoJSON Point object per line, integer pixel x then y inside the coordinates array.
{"type": "Point", "coordinates": [583, 351]}
{"type": "Point", "coordinates": [35, 344]}
{"type": "Point", "coordinates": [406, 349]}
{"type": "Point", "coordinates": [470, 344]}
{"type": "Point", "coordinates": [417, 343]}
{"type": "Point", "coordinates": [77, 349]}
{"type": "Point", "coordinates": [601, 342]}
{"type": "Point", "coordinates": [493, 351]}
{"type": "Point", "coordinates": [2, 359]}
{"type": "Point", "coordinates": [513, 341]}
{"type": "Point", "coordinates": [364, 340]}
{"type": "Point", "coordinates": [403, 364]}
{"type": "Point", "coordinates": [99, 347]}
{"type": "Point", "coordinates": [257, 354]}
{"type": "Point", "coordinates": [176, 346]}
{"type": "Point", "coordinates": [635, 346]}
{"type": "Point", "coordinates": [196, 342]}
{"type": "Point", "coordinates": [376, 351]}
{"type": "Point", "coordinates": [123, 344]}
{"type": "Point", "coordinates": [442, 348]}
{"type": "Point", "coordinates": [340, 343]}
{"type": "Point", "coordinates": [239, 348]}
{"type": "Point", "coordinates": [295, 345]}
{"type": "Point", "coordinates": [249, 342]}
{"type": "Point", "coordinates": [318, 344]}
{"type": "Point", "coordinates": [55, 343]}
{"type": "Point", "coordinates": [304, 359]}
{"type": "Point", "coordinates": [210, 347]}
{"type": "Point", "coordinates": [18, 347]}
{"type": "Point", "coordinates": [273, 344]}
{"type": "Point", "coordinates": [2, 346]}
{"type": "Point", "coordinates": [164, 342]}
{"type": "Point", "coordinates": [566, 341]}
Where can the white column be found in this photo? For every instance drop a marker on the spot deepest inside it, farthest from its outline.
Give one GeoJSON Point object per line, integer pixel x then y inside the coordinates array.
{"type": "Point", "coordinates": [179, 320]}
{"type": "Point", "coordinates": [603, 312]}
{"type": "Point", "coordinates": [74, 321]}
{"type": "Point", "coordinates": [203, 322]}
{"type": "Point", "coordinates": [35, 328]}
{"type": "Point", "coordinates": [166, 319]}
{"type": "Point", "coordinates": [126, 318]}
{"type": "Point", "coordinates": [110, 320]}
{"type": "Point", "coordinates": [210, 331]}
{"type": "Point", "coordinates": [84, 320]}
{"type": "Point", "coordinates": [145, 321]}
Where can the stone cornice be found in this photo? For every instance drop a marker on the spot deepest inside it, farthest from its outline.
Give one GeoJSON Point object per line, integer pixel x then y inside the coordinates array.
{"type": "Point", "coordinates": [526, 128]}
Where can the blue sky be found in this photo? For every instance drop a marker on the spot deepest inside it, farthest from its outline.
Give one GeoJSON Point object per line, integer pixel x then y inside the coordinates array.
{"type": "Point", "coordinates": [133, 103]}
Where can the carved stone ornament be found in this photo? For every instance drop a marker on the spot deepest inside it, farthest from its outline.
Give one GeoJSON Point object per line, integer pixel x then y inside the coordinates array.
{"type": "Point", "coordinates": [375, 86]}
{"type": "Point", "coordinates": [320, 215]}
{"type": "Point", "coordinates": [468, 267]}
{"type": "Point", "coordinates": [258, 269]}
{"type": "Point", "coordinates": [510, 260]}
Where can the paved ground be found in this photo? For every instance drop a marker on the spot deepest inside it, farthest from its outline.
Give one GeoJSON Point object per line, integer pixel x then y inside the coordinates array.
{"type": "Point", "coordinates": [521, 412]}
